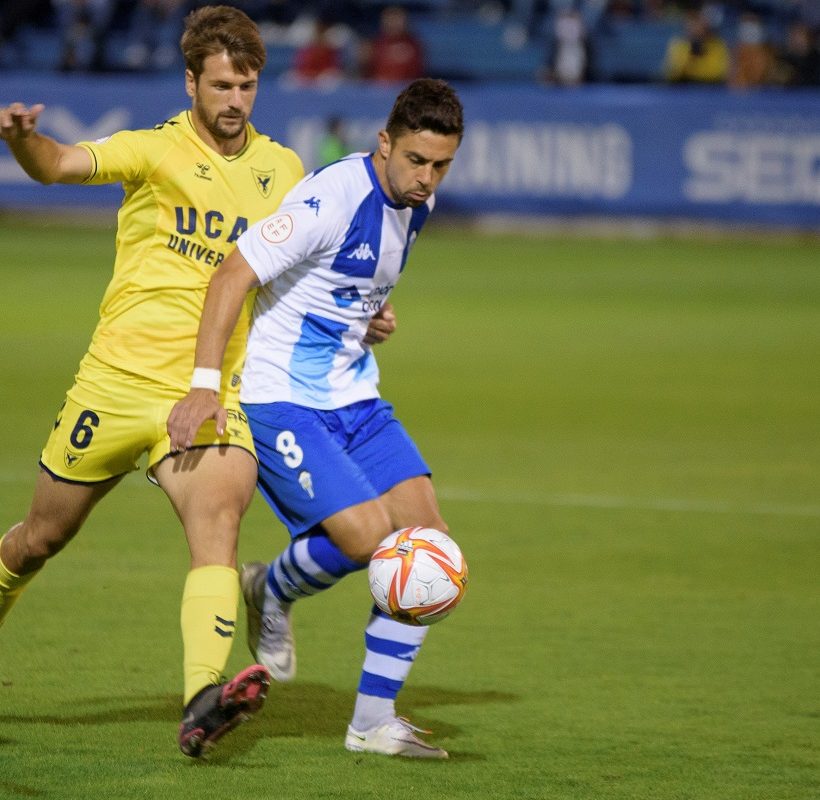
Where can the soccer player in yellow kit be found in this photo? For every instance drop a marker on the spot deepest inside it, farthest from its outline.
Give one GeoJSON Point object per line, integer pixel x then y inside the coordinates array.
{"type": "Point", "coordinates": [192, 185]}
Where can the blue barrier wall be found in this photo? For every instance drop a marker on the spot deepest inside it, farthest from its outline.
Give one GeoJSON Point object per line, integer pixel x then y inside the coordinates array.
{"type": "Point", "coordinates": [600, 150]}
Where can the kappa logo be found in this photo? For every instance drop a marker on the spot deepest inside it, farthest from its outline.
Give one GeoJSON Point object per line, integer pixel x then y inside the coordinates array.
{"type": "Point", "coordinates": [71, 459]}
{"type": "Point", "coordinates": [264, 180]}
{"type": "Point", "coordinates": [202, 171]}
{"type": "Point", "coordinates": [363, 252]}
{"type": "Point", "coordinates": [314, 203]}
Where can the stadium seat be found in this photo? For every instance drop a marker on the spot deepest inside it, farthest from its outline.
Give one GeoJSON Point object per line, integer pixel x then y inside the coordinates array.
{"type": "Point", "coordinates": [631, 51]}
{"type": "Point", "coordinates": [469, 49]}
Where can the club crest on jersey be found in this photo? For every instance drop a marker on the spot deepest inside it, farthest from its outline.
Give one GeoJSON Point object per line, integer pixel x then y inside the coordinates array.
{"type": "Point", "coordinates": [71, 459]}
{"type": "Point", "coordinates": [306, 482]}
{"type": "Point", "coordinates": [264, 180]}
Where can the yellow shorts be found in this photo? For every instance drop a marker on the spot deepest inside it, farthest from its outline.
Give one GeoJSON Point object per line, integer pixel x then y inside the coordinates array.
{"type": "Point", "coordinates": [111, 417]}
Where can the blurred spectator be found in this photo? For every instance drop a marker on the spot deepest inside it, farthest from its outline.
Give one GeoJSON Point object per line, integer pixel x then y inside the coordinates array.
{"type": "Point", "coordinates": [529, 13]}
{"type": "Point", "coordinates": [700, 56]}
{"type": "Point", "coordinates": [753, 57]}
{"type": "Point", "coordinates": [319, 59]}
{"type": "Point", "coordinates": [655, 9]}
{"type": "Point", "coordinates": [395, 53]}
{"type": "Point", "coordinates": [82, 24]}
{"type": "Point", "coordinates": [569, 61]}
{"type": "Point", "coordinates": [622, 9]}
{"type": "Point", "coordinates": [156, 26]}
{"type": "Point", "coordinates": [277, 12]}
{"type": "Point", "coordinates": [809, 12]}
{"type": "Point", "coordinates": [15, 14]}
{"type": "Point", "coordinates": [333, 145]}
{"type": "Point", "coordinates": [798, 63]}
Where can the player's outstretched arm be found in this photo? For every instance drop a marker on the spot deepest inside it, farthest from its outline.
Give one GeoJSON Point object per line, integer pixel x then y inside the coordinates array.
{"type": "Point", "coordinates": [381, 326]}
{"type": "Point", "coordinates": [42, 158]}
{"type": "Point", "coordinates": [227, 290]}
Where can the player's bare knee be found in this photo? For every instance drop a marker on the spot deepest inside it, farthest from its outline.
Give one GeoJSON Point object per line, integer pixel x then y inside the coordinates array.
{"type": "Point", "coordinates": [361, 546]}
{"type": "Point", "coordinates": [212, 516]}
{"type": "Point", "coordinates": [38, 540]}
{"type": "Point", "coordinates": [358, 550]}
{"type": "Point", "coordinates": [227, 518]}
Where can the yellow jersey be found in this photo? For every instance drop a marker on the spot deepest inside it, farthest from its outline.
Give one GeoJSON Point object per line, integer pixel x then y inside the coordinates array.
{"type": "Point", "coordinates": [185, 206]}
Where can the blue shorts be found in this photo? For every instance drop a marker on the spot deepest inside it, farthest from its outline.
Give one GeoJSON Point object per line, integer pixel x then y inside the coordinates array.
{"type": "Point", "coordinates": [313, 463]}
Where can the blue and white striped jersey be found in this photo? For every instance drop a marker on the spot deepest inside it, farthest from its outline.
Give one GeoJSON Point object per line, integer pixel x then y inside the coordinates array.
{"type": "Point", "coordinates": [327, 260]}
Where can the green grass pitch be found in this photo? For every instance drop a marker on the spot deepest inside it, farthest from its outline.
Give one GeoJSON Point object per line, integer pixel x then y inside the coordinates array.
{"type": "Point", "coordinates": [625, 436]}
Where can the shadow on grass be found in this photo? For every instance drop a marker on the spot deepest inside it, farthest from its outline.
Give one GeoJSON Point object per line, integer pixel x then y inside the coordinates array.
{"type": "Point", "coordinates": [297, 709]}
{"type": "Point", "coordinates": [18, 790]}
{"type": "Point", "coordinates": [292, 710]}
{"type": "Point", "coordinates": [317, 710]}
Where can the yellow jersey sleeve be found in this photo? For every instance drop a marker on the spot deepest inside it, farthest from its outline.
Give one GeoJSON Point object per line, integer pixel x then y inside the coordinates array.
{"type": "Point", "coordinates": [125, 157]}
{"type": "Point", "coordinates": [183, 209]}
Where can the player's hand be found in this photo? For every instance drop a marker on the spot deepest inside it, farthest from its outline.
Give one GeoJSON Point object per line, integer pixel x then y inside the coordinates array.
{"type": "Point", "coordinates": [18, 121]}
{"type": "Point", "coordinates": [188, 414]}
{"type": "Point", "coordinates": [381, 326]}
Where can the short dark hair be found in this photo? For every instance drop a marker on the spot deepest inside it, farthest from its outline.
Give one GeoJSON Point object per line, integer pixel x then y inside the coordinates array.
{"type": "Point", "coordinates": [427, 104]}
{"type": "Point", "coordinates": [213, 29]}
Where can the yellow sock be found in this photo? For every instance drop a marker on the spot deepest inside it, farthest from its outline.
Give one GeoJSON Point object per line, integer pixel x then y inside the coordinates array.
{"type": "Point", "coordinates": [208, 620]}
{"type": "Point", "coordinates": [11, 586]}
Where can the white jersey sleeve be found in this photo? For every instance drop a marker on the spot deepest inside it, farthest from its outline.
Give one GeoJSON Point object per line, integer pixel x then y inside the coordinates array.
{"type": "Point", "coordinates": [327, 260]}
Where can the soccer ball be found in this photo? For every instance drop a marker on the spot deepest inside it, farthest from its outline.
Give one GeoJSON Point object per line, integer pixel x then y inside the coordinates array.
{"type": "Point", "coordinates": [417, 575]}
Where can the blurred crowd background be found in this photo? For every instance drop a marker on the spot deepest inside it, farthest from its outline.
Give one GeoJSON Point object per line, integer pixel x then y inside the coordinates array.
{"type": "Point", "coordinates": [737, 43]}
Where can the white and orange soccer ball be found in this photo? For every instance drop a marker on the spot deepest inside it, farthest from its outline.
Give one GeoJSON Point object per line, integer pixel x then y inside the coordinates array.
{"type": "Point", "coordinates": [417, 575]}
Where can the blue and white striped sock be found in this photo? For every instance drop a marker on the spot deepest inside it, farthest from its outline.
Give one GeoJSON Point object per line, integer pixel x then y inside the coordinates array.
{"type": "Point", "coordinates": [309, 565]}
{"type": "Point", "coordinates": [390, 649]}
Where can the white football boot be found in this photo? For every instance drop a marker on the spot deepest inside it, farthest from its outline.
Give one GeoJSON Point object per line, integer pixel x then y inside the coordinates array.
{"type": "Point", "coordinates": [397, 737]}
{"type": "Point", "coordinates": [270, 637]}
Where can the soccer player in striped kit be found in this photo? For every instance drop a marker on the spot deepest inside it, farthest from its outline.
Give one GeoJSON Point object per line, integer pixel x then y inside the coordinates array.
{"type": "Point", "coordinates": [335, 464]}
